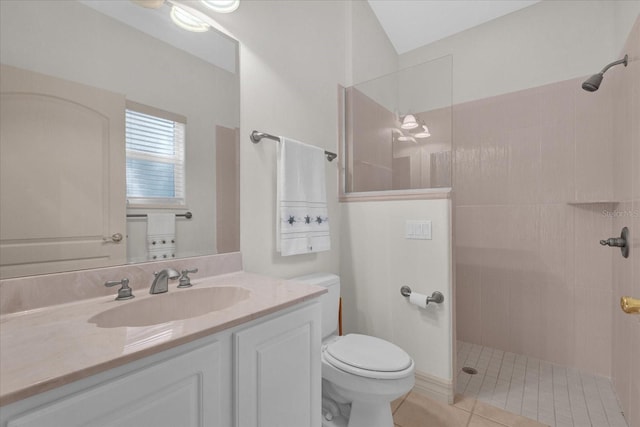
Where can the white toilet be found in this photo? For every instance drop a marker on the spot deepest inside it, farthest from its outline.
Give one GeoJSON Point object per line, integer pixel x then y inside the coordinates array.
{"type": "Point", "coordinates": [361, 374]}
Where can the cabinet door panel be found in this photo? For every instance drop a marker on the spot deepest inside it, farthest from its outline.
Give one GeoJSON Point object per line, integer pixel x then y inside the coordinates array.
{"type": "Point", "coordinates": [278, 371]}
{"type": "Point", "coordinates": [182, 391]}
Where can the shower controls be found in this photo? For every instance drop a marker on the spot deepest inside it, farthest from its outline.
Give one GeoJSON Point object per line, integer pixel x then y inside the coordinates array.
{"type": "Point", "coordinates": [621, 242]}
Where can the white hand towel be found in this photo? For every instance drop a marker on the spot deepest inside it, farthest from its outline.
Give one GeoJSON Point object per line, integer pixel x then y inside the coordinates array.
{"type": "Point", "coordinates": [161, 236]}
{"type": "Point", "coordinates": [302, 216]}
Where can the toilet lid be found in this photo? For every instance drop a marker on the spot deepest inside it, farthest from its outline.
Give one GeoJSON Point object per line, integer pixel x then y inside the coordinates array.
{"type": "Point", "coordinates": [369, 353]}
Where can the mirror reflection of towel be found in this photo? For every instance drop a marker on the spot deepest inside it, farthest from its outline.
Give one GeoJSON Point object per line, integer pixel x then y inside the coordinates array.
{"type": "Point", "coordinates": [161, 236]}
{"type": "Point", "coordinates": [302, 216]}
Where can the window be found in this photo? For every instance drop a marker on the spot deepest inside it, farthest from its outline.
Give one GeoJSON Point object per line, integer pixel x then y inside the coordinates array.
{"type": "Point", "coordinates": [154, 143]}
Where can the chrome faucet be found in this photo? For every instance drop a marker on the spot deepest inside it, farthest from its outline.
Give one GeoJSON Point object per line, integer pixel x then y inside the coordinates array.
{"type": "Point", "coordinates": [161, 282]}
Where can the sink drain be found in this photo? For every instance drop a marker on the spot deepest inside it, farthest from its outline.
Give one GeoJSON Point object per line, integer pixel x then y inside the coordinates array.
{"type": "Point", "coordinates": [470, 371]}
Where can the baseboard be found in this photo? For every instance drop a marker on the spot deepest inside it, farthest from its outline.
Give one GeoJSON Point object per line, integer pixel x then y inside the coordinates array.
{"type": "Point", "coordinates": [433, 387]}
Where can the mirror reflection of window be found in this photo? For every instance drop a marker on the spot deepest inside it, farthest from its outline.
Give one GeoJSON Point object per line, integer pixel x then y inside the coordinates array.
{"type": "Point", "coordinates": [155, 146]}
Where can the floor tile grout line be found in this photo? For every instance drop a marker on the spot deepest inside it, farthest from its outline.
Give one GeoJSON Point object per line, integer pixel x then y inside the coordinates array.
{"type": "Point", "coordinates": [606, 413]}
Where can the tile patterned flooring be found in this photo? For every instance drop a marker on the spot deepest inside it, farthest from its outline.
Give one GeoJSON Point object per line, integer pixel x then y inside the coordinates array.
{"type": "Point", "coordinates": [415, 410]}
{"type": "Point", "coordinates": [551, 394]}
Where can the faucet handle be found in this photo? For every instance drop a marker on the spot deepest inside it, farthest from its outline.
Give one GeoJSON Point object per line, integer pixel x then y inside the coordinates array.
{"type": "Point", "coordinates": [124, 292]}
{"type": "Point", "coordinates": [185, 280]}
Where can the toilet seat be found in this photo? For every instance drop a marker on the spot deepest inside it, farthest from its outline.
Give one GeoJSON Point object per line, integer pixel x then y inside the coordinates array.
{"type": "Point", "coordinates": [368, 357]}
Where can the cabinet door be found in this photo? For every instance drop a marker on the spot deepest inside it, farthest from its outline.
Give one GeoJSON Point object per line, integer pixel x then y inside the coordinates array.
{"type": "Point", "coordinates": [183, 391]}
{"type": "Point", "coordinates": [278, 371]}
{"type": "Point", "coordinates": [62, 175]}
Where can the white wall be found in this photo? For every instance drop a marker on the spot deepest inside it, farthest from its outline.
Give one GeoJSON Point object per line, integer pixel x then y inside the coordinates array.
{"type": "Point", "coordinates": [548, 42]}
{"type": "Point", "coordinates": [292, 57]}
{"type": "Point", "coordinates": [370, 54]}
{"type": "Point", "coordinates": [377, 260]}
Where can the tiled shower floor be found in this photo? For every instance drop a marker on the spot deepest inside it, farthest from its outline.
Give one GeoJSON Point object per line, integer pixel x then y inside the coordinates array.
{"type": "Point", "coordinates": [552, 394]}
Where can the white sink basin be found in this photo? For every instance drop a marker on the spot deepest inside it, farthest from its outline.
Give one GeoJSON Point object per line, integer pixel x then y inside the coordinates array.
{"type": "Point", "coordinates": [174, 305]}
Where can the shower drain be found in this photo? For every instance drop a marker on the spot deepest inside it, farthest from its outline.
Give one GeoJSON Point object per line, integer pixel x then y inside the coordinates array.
{"type": "Point", "coordinates": [470, 371]}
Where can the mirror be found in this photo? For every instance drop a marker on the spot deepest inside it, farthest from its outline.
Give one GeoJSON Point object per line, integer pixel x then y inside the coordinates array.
{"type": "Point", "coordinates": [70, 69]}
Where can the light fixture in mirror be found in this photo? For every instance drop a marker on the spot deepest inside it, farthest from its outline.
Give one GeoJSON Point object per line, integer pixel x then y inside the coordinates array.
{"type": "Point", "coordinates": [409, 122]}
{"type": "Point", "coordinates": [188, 21]}
{"type": "Point", "coordinates": [424, 133]}
{"type": "Point", "coordinates": [63, 195]}
{"type": "Point", "coordinates": [222, 6]}
{"type": "Point", "coordinates": [387, 144]}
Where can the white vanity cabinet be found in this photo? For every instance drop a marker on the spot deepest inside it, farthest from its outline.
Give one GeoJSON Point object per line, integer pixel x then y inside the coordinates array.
{"type": "Point", "coordinates": [278, 373]}
{"type": "Point", "coordinates": [184, 388]}
{"type": "Point", "coordinates": [272, 363]}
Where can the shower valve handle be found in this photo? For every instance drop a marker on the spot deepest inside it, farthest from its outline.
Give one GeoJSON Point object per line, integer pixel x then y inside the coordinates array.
{"type": "Point", "coordinates": [616, 242]}
{"type": "Point", "coordinates": [621, 242]}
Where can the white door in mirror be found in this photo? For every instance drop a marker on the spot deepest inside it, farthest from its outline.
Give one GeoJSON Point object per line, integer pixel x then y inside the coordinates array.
{"type": "Point", "coordinates": [61, 147]}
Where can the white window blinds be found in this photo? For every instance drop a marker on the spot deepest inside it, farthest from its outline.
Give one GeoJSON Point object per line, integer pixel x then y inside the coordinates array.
{"type": "Point", "coordinates": [155, 142]}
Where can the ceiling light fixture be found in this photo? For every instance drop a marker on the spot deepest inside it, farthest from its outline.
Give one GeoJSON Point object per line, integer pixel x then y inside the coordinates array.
{"type": "Point", "coordinates": [188, 21]}
{"type": "Point", "coordinates": [424, 133]}
{"type": "Point", "coordinates": [222, 6]}
{"type": "Point", "coordinates": [409, 122]}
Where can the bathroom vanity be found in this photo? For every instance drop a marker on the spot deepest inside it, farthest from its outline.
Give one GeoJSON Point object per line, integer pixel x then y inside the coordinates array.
{"type": "Point", "coordinates": [254, 362]}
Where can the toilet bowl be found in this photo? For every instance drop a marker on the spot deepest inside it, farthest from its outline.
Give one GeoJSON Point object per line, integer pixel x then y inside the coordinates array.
{"type": "Point", "coordinates": [361, 374]}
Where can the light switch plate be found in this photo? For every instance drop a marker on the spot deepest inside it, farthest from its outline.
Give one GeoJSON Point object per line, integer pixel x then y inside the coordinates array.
{"type": "Point", "coordinates": [418, 229]}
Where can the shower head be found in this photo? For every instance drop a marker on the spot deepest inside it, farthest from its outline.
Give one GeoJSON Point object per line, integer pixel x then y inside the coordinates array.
{"type": "Point", "coordinates": [593, 83]}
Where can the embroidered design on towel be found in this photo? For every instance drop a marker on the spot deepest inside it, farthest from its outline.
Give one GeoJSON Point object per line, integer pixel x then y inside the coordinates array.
{"type": "Point", "coordinates": [304, 222]}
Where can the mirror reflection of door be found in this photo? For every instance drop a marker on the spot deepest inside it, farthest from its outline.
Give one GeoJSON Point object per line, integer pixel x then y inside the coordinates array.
{"type": "Point", "coordinates": [62, 174]}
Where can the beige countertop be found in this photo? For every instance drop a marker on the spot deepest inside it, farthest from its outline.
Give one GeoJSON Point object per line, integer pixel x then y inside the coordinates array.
{"type": "Point", "coordinates": [48, 347]}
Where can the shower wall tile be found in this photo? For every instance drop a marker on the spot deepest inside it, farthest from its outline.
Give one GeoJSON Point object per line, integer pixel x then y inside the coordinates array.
{"type": "Point", "coordinates": [523, 165]}
{"type": "Point", "coordinates": [524, 254]}
{"type": "Point", "coordinates": [557, 169]}
{"type": "Point", "coordinates": [526, 322]}
{"type": "Point", "coordinates": [557, 102]}
{"type": "Point", "coordinates": [593, 261]}
{"type": "Point", "coordinates": [518, 110]}
{"type": "Point", "coordinates": [470, 228]}
{"type": "Point", "coordinates": [468, 302]}
{"type": "Point", "coordinates": [466, 172]}
{"type": "Point", "coordinates": [594, 145]}
{"type": "Point", "coordinates": [623, 121]}
{"type": "Point", "coordinates": [593, 331]}
{"type": "Point", "coordinates": [635, 125]}
{"type": "Point", "coordinates": [494, 168]}
{"type": "Point", "coordinates": [556, 262]}
{"type": "Point", "coordinates": [495, 309]}
{"type": "Point", "coordinates": [559, 324]}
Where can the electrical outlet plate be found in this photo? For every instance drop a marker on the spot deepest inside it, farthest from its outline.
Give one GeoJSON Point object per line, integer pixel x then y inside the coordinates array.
{"type": "Point", "coordinates": [418, 230]}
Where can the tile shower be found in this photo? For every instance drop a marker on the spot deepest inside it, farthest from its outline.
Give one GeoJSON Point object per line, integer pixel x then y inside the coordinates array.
{"type": "Point", "coordinates": [540, 176]}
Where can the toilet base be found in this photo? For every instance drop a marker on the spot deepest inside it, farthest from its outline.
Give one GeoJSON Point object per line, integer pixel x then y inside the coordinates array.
{"type": "Point", "coordinates": [370, 415]}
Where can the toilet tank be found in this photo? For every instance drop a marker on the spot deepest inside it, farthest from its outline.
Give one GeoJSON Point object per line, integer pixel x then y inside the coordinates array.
{"type": "Point", "coordinates": [329, 301]}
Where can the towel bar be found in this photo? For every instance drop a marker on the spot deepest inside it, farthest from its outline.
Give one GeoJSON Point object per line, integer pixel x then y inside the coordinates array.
{"type": "Point", "coordinates": [257, 136]}
{"type": "Point", "coordinates": [187, 215]}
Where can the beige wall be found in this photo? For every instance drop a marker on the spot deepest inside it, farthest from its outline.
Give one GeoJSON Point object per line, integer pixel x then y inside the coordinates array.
{"type": "Point", "coordinates": [292, 57]}
{"type": "Point", "coordinates": [528, 200]}
{"type": "Point", "coordinates": [625, 89]}
{"type": "Point", "coordinates": [541, 175]}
